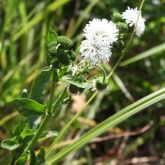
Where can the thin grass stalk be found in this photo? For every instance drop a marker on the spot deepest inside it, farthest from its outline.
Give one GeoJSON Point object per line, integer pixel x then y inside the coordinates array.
{"type": "Point", "coordinates": [110, 122]}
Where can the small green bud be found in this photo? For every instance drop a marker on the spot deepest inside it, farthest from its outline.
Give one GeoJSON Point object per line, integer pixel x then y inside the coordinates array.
{"type": "Point", "coordinates": [117, 17]}
{"type": "Point", "coordinates": [52, 47]}
{"type": "Point", "coordinates": [100, 85]}
{"type": "Point", "coordinates": [122, 27]}
{"type": "Point", "coordinates": [52, 50]}
{"type": "Point", "coordinates": [65, 42]}
{"type": "Point", "coordinates": [74, 89]}
{"type": "Point", "coordinates": [63, 56]}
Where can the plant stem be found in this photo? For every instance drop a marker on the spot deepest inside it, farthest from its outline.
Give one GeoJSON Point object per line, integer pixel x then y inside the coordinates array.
{"type": "Point", "coordinates": [124, 51]}
{"type": "Point", "coordinates": [62, 132]}
{"type": "Point", "coordinates": [47, 116]}
{"type": "Point", "coordinates": [104, 73]}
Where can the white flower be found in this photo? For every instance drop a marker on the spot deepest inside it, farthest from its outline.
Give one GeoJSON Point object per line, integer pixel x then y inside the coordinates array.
{"type": "Point", "coordinates": [103, 29]}
{"type": "Point", "coordinates": [99, 36]}
{"type": "Point", "coordinates": [93, 52]}
{"type": "Point", "coordinates": [131, 16]}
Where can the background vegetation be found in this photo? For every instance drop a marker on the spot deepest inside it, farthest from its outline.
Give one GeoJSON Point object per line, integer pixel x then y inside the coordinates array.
{"type": "Point", "coordinates": [23, 28]}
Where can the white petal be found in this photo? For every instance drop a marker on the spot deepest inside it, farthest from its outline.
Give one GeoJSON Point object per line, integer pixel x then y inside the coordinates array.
{"type": "Point", "coordinates": [131, 16]}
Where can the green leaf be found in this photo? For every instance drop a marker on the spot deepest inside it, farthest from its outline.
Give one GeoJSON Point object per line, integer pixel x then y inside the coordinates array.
{"type": "Point", "coordinates": [79, 84]}
{"type": "Point", "coordinates": [52, 35]}
{"type": "Point", "coordinates": [10, 144]}
{"type": "Point", "coordinates": [27, 131]}
{"type": "Point", "coordinates": [21, 160]}
{"type": "Point", "coordinates": [48, 134]}
{"type": "Point", "coordinates": [32, 158]}
{"type": "Point", "coordinates": [30, 106]}
{"type": "Point", "coordinates": [40, 159]}
{"type": "Point", "coordinates": [63, 71]}
{"type": "Point", "coordinates": [151, 52]}
{"type": "Point", "coordinates": [109, 123]}
{"type": "Point", "coordinates": [39, 84]}
{"type": "Point", "coordinates": [18, 128]}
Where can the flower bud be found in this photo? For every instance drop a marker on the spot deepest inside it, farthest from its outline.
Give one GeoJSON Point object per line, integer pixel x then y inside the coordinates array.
{"type": "Point", "coordinates": [101, 85]}
{"type": "Point", "coordinates": [75, 89]}
{"type": "Point", "coordinates": [63, 56]}
{"type": "Point", "coordinates": [65, 42]}
{"type": "Point", "coordinates": [122, 27]}
{"type": "Point", "coordinates": [117, 17]}
{"type": "Point", "coordinates": [52, 47]}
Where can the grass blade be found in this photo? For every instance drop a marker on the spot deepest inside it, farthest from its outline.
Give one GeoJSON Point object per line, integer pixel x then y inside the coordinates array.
{"type": "Point", "coordinates": [151, 52]}
{"type": "Point", "coordinates": [111, 122]}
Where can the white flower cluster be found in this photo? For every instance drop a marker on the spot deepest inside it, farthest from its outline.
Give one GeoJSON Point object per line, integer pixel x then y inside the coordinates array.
{"type": "Point", "coordinates": [131, 16]}
{"type": "Point", "coordinates": [100, 34]}
{"type": "Point", "coordinates": [99, 37]}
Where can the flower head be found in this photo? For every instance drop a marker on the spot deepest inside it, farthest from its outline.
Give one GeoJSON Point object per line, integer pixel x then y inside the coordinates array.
{"type": "Point", "coordinates": [93, 52]}
{"type": "Point", "coordinates": [99, 37]}
{"type": "Point", "coordinates": [131, 16]}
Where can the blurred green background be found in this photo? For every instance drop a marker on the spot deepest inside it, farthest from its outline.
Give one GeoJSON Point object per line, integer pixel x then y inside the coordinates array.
{"type": "Point", "coordinates": [23, 28]}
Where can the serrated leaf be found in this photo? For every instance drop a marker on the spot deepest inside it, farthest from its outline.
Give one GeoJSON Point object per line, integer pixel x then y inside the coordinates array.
{"type": "Point", "coordinates": [10, 144]}
{"type": "Point", "coordinates": [30, 106]}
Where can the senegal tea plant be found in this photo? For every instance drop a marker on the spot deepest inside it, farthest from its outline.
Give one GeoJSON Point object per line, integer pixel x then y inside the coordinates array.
{"type": "Point", "coordinates": [73, 69]}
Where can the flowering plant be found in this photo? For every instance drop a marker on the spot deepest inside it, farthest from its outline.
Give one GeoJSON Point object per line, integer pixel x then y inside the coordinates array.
{"type": "Point", "coordinates": [101, 38]}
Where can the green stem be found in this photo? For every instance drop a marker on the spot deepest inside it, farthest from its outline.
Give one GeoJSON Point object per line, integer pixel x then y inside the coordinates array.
{"type": "Point", "coordinates": [46, 117]}
{"type": "Point", "coordinates": [51, 100]}
{"type": "Point", "coordinates": [104, 73]}
{"type": "Point", "coordinates": [58, 101]}
{"type": "Point", "coordinates": [124, 51]}
{"type": "Point", "coordinates": [63, 131]}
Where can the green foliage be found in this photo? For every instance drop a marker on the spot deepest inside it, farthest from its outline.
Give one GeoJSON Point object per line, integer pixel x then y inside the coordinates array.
{"type": "Point", "coordinates": [65, 42]}
{"type": "Point", "coordinates": [26, 132]}
{"type": "Point", "coordinates": [39, 85]}
{"type": "Point", "coordinates": [51, 36]}
{"type": "Point", "coordinates": [29, 107]}
{"type": "Point", "coordinates": [101, 85]}
{"type": "Point", "coordinates": [40, 159]}
{"type": "Point", "coordinates": [21, 160]}
{"type": "Point", "coordinates": [111, 122]}
{"type": "Point", "coordinates": [10, 144]}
